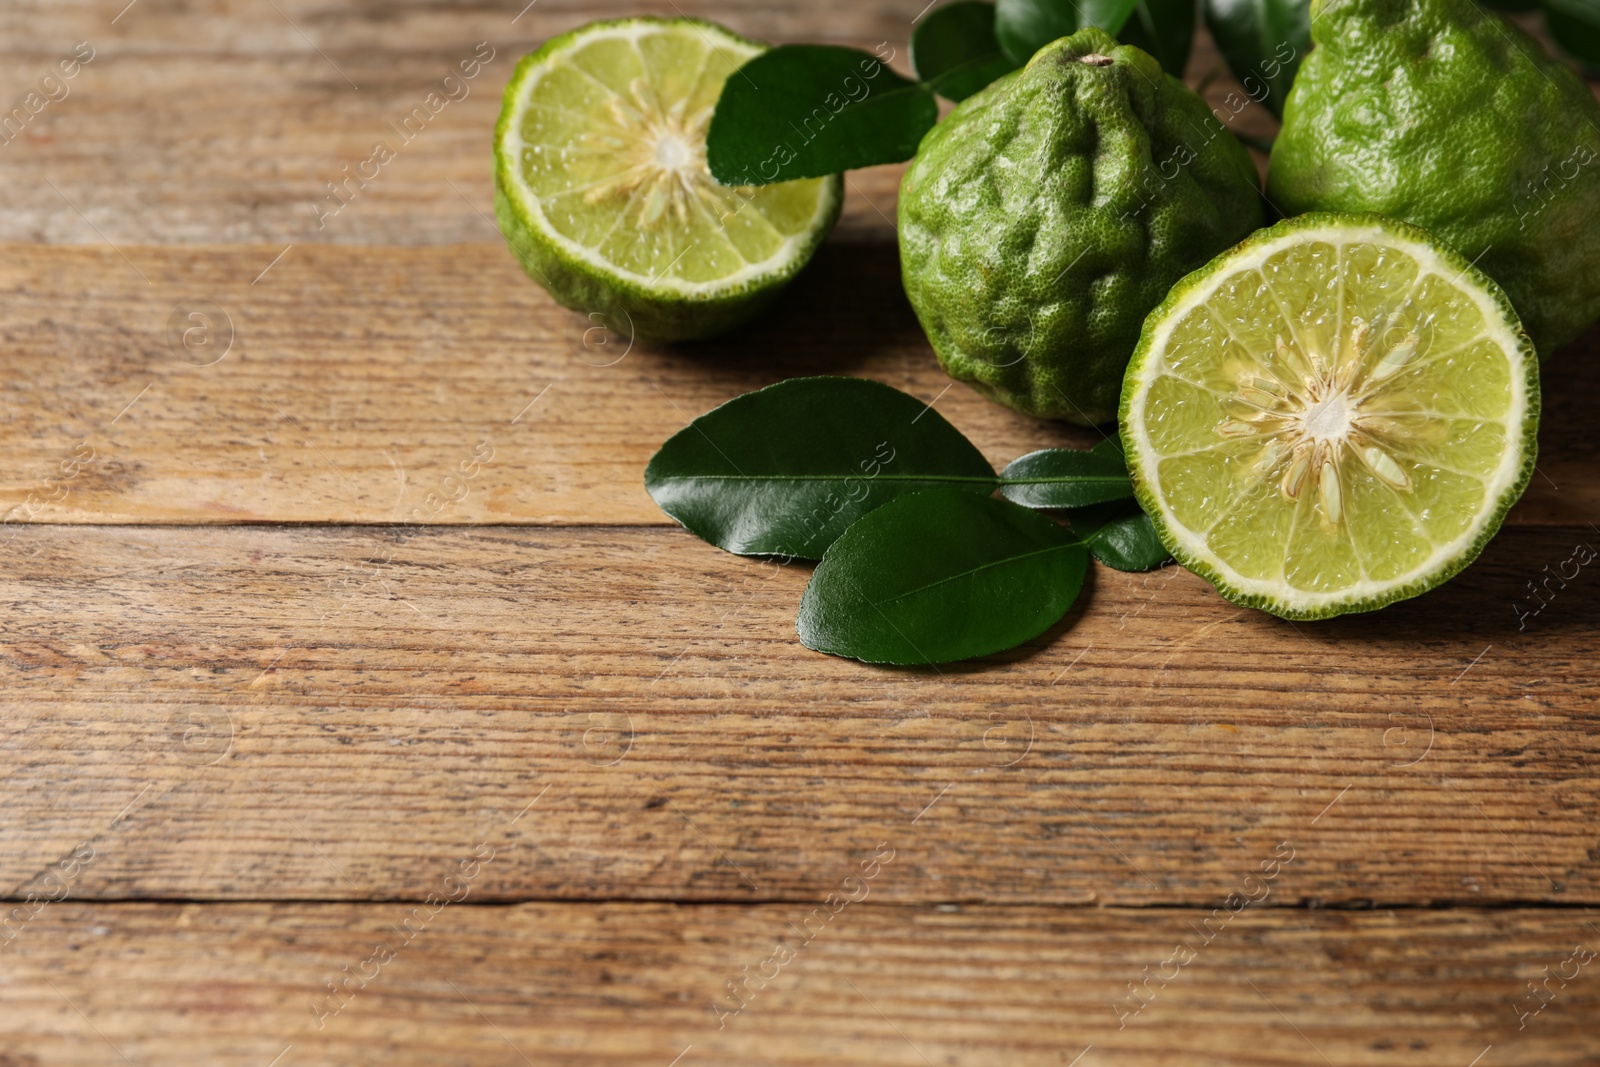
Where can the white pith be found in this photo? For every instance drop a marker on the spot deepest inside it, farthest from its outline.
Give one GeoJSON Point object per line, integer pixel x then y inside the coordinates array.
{"type": "Point", "coordinates": [1323, 412]}
{"type": "Point", "coordinates": [668, 161]}
{"type": "Point", "coordinates": [1315, 415]}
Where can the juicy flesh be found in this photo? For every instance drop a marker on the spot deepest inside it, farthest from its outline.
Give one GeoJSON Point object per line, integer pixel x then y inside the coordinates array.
{"type": "Point", "coordinates": [614, 153]}
{"type": "Point", "coordinates": [1335, 418]}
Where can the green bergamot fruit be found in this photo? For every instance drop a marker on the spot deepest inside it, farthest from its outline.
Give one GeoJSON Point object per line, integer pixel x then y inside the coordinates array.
{"type": "Point", "coordinates": [1335, 415]}
{"type": "Point", "coordinates": [1444, 115]}
{"type": "Point", "coordinates": [1043, 219]}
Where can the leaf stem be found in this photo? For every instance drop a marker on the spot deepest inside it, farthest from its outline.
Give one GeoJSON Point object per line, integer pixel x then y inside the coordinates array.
{"type": "Point", "coordinates": [835, 477]}
{"type": "Point", "coordinates": [1071, 479]}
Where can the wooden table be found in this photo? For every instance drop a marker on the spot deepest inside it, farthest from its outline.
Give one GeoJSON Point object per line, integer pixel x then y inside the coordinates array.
{"type": "Point", "coordinates": [533, 777]}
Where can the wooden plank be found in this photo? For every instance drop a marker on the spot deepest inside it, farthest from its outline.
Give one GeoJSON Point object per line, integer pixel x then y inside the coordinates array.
{"type": "Point", "coordinates": [256, 157]}
{"type": "Point", "coordinates": [359, 381]}
{"type": "Point", "coordinates": [276, 102]}
{"type": "Point", "coordinates": [238, 985]}
{"type": "Point", "coordinates": [275, 99]}
{"type": "Point", "coordinates": [249, 712]}
{"type": "Point", "coordinates": [345, 714]}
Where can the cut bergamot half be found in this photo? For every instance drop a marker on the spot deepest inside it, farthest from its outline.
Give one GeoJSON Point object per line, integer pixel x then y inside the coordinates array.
{"type": "Point", "coordinates": [1332, 416]}
{"type": "Point", "coordinates": [602, 190]}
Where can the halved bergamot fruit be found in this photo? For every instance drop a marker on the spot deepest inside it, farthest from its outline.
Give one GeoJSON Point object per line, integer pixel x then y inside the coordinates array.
{"type": "Point", "coordinates": [1332, 416]}
{"type": "Point", "coordinates": [601, 184]}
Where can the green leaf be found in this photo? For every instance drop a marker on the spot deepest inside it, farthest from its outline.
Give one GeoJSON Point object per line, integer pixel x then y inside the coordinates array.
{"type": "Point", "coordinates": [1263, 42]}
{"type": "Point", "coordinates": [1111, 446]}
{"type": "Point", "coordinates": [1575, 26]}
{"type": "Point", "coordinates": [1165, 29]}
{"type": "Point", "coordinates": [805, 111]}
{"type": "Point", "coordinates": [1025, 26]}
{"type": "Point", "coordinates": [955, 51]}
{"type": "Point", "coordinates": [940, 576]}
{"type": "Point", "coordinates": [1063, 478]}
{"type": "Point", "coordinates": [1120, 535]}
{"type": "Point", "coordinates": [784, 470]}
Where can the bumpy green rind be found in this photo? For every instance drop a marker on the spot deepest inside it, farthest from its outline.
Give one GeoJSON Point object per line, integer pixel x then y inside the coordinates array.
{"type": "Point", "coordinates": [1441, 113]}
{"type": "Point", "coordinates": [1143, 488]}
{"type": "Point", "coordinates": [1050, 212]}
{"type": "Point", "coordinates": [608, 298]}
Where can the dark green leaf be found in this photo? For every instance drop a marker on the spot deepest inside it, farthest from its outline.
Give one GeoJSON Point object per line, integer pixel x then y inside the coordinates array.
{"type": "Point", "coordinates": [1264, 42]}
{"type": "Point", "coordinates": [940, 576]}
{"type": "Point", "coordinates": [1120, 535]}
{"type": "Point", "coordinates": [1111, 446]}
{"type": "Point", "coordinates": [1165, 29]}
{"type": "Point", "coordinates": [955, 50]}
{"type": "Point", "coordinates": [782, 471]}
{"type": "Point", "coordinates": [1575, 26]}
{"type": "Point", "coordinates": [1514, 5]}
{"type": "Point", "coordinates": [1062, 478]}
{"type": "Point", "coordinates": [1025, 26]}
{"type": "Point", "coordinates": [804, 111]}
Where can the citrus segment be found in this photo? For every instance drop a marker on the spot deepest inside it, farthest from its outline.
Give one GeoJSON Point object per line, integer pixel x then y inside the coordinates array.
{"type": "Point", "coordinates": [1334, 415]}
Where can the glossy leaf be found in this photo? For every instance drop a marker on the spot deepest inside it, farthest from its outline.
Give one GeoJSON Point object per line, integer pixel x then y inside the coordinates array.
{"type": "Point", "coordinates": [1263, 42]}
{"type": "Point", "coordinates": [805, 111]}
{"type": "Point", "coordinates": [1025, 26]}
{"type": "Point", "coordinates": [940, 576]}
{"type": "Point", "coordinates": [955, 51]}
{"type": "Point", "coordinates": [784, 470]}
{"type": "Point", "coordinates": [1111, 446]}
{"type": "Point", "coordinates": [1165, 29]}
{"type": "Point", "coordinates": [1120, 535]}
{"type": "Point", "coordinates": [1575, 26]}
{"type": "Point", "coordinates": [1063, 478]}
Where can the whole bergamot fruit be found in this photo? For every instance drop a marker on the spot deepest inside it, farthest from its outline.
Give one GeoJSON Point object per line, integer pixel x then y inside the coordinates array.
{"type": "Point", "coordinates": [1043, 219]}
{"type": "Point", "coordinates": [1444, 115]}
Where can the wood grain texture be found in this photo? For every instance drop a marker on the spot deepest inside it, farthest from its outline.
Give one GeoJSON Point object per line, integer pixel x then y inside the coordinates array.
{"type": "Point", "coordinates": [237, 985]}
{"type": "Point", "coordinates": [293, 735]}
{"type": "Point", "coordinates": [224, 124]}
{"type": "Point", "coordinates": [360, 380]}
{"type": "Point", "coordinates": [249, 712]}
{"type": "Point", "coordinates": [275, 99]}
